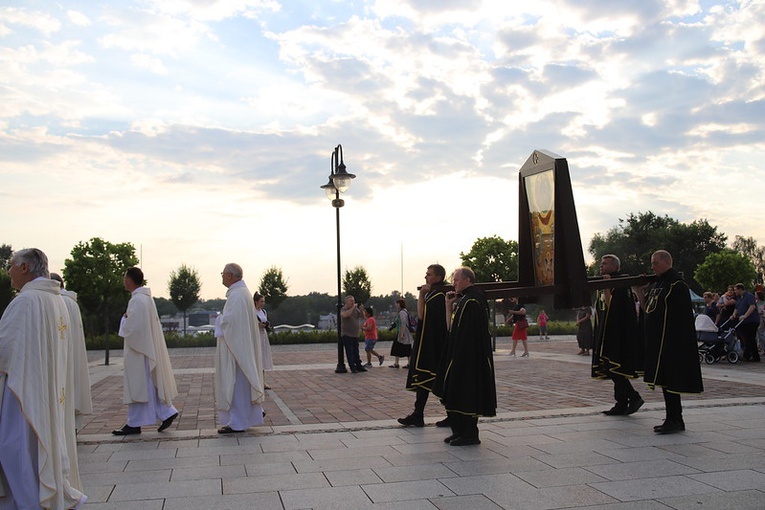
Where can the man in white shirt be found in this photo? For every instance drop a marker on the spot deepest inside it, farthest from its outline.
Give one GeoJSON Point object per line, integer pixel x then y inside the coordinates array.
{"type": "Point", "coordinates": [149, 385]}
{"type": "Point", "coordinates": [239, 392]}
{"type": "Point", "coordinates": [35, 467]}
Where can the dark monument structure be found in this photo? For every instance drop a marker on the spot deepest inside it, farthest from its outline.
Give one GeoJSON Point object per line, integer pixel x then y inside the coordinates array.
{"type": "Point", "coordinates": [550, 258]}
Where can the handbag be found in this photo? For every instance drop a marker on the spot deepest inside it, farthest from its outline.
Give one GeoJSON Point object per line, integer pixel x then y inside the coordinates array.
{"type": "Point", "coordinates": [522, 324]}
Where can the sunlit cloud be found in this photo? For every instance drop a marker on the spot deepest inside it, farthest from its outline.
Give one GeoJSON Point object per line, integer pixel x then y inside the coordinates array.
{"type": "Point", "coordinates": [201, 131]}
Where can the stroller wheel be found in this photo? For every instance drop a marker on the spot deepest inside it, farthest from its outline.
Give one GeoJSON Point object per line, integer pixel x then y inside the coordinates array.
{"type": "Point", "coordinates": [701, 357]}
{"type": "Point", "coordinates": [733, 357]}
{"type": "Point", "coordinates": [709, 359]}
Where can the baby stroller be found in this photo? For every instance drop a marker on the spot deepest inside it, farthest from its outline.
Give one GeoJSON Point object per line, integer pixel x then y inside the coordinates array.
{"type": "Point", "coordinates": [716, 343]}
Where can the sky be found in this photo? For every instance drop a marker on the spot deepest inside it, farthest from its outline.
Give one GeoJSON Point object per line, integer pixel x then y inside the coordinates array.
{"type": "Point", "coordinates": [201, 131]}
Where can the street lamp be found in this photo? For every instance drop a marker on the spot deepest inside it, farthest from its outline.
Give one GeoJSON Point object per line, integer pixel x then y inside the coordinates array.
{"type": "Point", "coordinates": [339, 182]}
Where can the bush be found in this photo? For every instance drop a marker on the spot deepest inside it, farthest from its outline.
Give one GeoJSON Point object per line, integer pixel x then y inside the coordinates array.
{"type": "Point", "coordinates": [174, 340]}
{"type": "Point", "coordinates": [553, 328]}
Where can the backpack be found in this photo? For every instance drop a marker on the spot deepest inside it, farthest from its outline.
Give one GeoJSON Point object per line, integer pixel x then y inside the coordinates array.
{"type": "Point", "coordinates": [412, 322]}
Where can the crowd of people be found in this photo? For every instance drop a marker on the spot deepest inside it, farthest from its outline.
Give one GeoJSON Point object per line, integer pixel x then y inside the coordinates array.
{"type": "Point", "coordinates": [743, 310]}
{"type": "Point", "coordinates": [45, 390]}
{"type": "Point", "coordinates": [45, 384]}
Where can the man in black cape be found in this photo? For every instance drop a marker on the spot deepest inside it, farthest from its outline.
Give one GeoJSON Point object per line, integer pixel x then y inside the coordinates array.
{"type": "Point", "coordinates": [618, 352]}
{"type": "Point", "coordinates": [672, 358]}
{"type": "Point", "coordinates": [465, 380]}
{"type": "Point", "coordinates": [429, 341]}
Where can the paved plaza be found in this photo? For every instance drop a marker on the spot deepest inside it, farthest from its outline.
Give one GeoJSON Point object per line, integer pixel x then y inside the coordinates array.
{"type": "Point", "coordinates": [332, 441]}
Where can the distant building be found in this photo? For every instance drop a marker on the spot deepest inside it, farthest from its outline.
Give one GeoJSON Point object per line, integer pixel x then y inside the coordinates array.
{"type": "Point", "coordinates": [327, 322]}
{"type": "Point", "coordinates": [202, 318]}
{"type": "Point", "coordinates": [196, 319]}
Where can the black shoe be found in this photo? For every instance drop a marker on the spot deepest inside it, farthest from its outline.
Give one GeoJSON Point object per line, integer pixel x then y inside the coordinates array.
{"type": "Point", "coordinates": [360, 369]}
{"type": "Point", "coordinates": [166, 423]}
{"type": "Point", "coordinates": [127, 430]}
{"type": "Point", "coordinates": [464, 441]}
{"type": "Point", "coordinates": [443, 423]}
{"type": "Point", "coordinates": [412, 420]}
{"type": "Point", "coordinates": [228, 430]}
{"type": "Point", "coordinates": [670, 427]}
{"type": "Point", "coordinates": [635, 404]}
{"type": "Point", "coordinates": [617, 410]}
{"type": "Point", "coordinates": [450, 438]}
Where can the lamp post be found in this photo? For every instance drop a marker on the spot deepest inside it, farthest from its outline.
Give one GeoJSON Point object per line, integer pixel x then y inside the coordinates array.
{"type": "Point", "coordinates": [339, 182]}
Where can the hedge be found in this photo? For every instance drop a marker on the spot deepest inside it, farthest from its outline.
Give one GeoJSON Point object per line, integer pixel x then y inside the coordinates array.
{"type": "Point", "coordinates": [174, 339]}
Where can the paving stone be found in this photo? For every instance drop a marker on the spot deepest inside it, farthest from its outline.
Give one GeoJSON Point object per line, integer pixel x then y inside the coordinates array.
{"type": "Point", "coordinates": [260, 500]}
{"type": "Point", "coordinates": [653, 488]}
{"type": "Point", "coordinates": [548, 448]}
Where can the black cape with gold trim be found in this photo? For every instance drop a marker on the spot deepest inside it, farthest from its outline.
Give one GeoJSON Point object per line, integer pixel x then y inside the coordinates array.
{"type": "Point", "coordinates": [618, 344]}
{"type": "Point", "coordinates": [672, 358]}
{"type": "Point", "coordinates": [466, 385]}
{"type": "Point", "coordinates": [429, 342]}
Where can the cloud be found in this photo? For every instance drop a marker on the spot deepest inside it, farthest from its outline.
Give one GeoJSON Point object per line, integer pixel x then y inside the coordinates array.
{"type": "Point", "coordinates": [13, 19]}
{"type": "Point", "coordinates": [200, 122]}
{"type": "Point", "coordinates": [151, 64]}
{"type": "Point", "coordinates": [77, 18]}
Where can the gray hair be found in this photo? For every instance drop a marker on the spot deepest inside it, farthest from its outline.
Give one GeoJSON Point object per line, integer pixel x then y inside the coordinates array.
{"type": "Point", "coordinates": [613, 257]}
{"type": "Point", "coordinates": [465, 272]}
{"type": "Point", "coordinates": [234, 269]}
{"type": "Point", "coordinates": [57, 277]}
{"type": "Point", "coordinates": [35, 259]}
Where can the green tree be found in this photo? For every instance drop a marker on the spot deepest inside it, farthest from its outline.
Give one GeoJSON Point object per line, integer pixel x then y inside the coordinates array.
{"type": "Point", "coordinates": [748, 246]}
{"type": "Point", "coordinates": [6, 291]}
{"type": "Point", "coordinates": [304, 309]}
{"type": "Point", "coordinates": [165, 306]}
{"type": "Point", "coordinates": [356, 283]}
{"type": "Point", "coordinates": [492, 259]}
{"type": "Point", "coordinates": [719, 270]}
{"type": "Point", "coordinates": [5, 256]}
{"type": "Point", "coordinates": [212, 305]}
{"type": "Point", "coordinates": [641, 234]}
{"type": "Point", "coordinates": [95, 271]}
{"type": "Point", "coordinates": [273, 287]}
{"type": "Point", "coordinates": [184, 289]}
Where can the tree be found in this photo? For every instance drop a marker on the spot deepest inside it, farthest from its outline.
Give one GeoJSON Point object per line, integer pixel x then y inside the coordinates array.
{"type": "Point", "coordinates": [719, 270]}
{"type": "Point", "coordinates": [5, 256]}
{"type": "Point", "coordinates": [304, 309]}
{"type": "Point", "coordinates": [356, 283]}
{"type": "Point", "coordinates": [747, 246]}
{"type": "Point", "coordinates": [273, 287]}
{"type": "Point", "coordinates": [184, 289]}
{"type": "Point", "coordinates": [212, 305]}
{"type": "Point", "coordinates": [165, 306]}
{"type": "Point", "coordinates": [7, 292]}
{"type": "Point", "coordinates": [95, 272]}
{"type": "Point", "coordinates": [492, 259]}
{"type": "Point", "coordinates": [641, 234]}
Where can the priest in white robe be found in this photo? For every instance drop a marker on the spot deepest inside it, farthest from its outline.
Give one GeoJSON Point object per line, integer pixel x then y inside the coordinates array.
{"type": "Point", "coordinates": [34, 342]}
{"type": "Point", "coordinates": [148, 383]}
{"type": "Point", "coordinates": [79, 375]}
{"type": "Point", "coordinates": [239, 393]}
{"type": "Point", "coordinates": [77, 382]}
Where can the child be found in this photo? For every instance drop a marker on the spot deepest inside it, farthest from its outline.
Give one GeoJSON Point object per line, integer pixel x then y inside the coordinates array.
{"type": "Point", "coordinates": [370, 337]}
{"type": "Point", "coordinates": [542, 323]}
